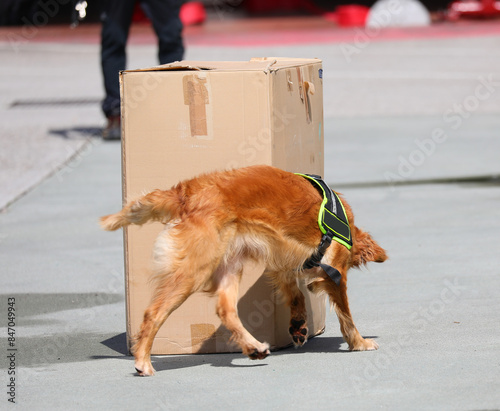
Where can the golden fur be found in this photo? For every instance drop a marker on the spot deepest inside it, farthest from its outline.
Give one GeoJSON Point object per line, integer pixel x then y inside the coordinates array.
{"type": "Point", "coordinates": [217, 222]}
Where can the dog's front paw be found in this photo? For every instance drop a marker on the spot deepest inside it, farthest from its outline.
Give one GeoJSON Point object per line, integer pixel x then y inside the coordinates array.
{"type": "Point", "coordinates": [257, 353]}
{"type": "Point", "coordinates": [365, 344]}
{"type": "Point", "coordinates": [298, 331]}
{"type": "Point", "coordinates": [144, 369]}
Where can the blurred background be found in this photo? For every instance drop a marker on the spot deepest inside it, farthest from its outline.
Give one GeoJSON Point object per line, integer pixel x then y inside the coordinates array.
{"type": "Point", "coordinates": [16, 12]}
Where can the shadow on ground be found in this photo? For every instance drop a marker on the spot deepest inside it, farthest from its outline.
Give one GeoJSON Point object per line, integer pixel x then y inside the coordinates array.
{"type": "Point", "coordinates": [319, 344]}
{"type": "Point", "coordinates": [77, 132]}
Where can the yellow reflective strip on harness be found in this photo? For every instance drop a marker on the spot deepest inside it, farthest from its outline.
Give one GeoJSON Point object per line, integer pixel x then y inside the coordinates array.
{"type": "Point", "coordinates": [345, 241]}
{"type": "Point", "coordinates": [338, 237]}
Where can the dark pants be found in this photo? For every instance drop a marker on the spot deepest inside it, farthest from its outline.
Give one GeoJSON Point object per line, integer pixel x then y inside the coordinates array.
{"type": "Point", "coordinates": [117, 18]}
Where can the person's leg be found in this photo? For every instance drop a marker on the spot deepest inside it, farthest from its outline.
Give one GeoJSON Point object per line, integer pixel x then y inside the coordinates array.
{"type": "Point", "coordinates": [164, 14]}
{"type": "Point", "coordinates": [116, 20]}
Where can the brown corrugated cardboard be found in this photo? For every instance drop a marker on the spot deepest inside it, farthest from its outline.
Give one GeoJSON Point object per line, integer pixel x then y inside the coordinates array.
{"type": "Point", "coordinates": [186, 118]}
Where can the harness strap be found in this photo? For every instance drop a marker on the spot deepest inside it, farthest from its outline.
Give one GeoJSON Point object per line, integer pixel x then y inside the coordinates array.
{"type": "Point", "coordinates": [333, 223]}
{"type": "Point", "coordinates": [315, 261]}
{"type": "Point", "coordinates": [332, 218]}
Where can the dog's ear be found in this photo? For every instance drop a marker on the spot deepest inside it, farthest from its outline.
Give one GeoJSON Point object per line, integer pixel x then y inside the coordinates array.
{"type": "Point", "coordinates": [366, 249]}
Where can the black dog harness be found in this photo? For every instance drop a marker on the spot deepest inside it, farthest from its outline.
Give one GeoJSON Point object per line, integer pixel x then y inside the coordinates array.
{"type": "Point", "coordinates": [333, 223]}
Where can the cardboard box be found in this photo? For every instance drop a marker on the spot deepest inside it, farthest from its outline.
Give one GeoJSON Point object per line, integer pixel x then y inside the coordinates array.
{"type": "Point", "coordinates": [185, 118]}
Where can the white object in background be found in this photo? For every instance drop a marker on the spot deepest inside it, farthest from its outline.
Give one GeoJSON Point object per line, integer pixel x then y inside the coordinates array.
{"type": "Point", "coordinates": [398, 13]}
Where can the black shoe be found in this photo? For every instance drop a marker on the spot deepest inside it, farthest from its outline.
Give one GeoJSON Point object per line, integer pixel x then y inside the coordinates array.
{"type": "Point", "coordinates": [113, 130]}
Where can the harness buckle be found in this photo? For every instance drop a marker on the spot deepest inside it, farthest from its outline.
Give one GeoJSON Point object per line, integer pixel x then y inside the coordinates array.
{"type": "Point", "coordinates": [326, 240]}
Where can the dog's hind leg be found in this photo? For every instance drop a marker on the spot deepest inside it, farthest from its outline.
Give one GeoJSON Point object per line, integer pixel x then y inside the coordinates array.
{"type": "Point", "coordinates": [186, 255]}
{"type": "Point", "coordinates": [168, 297]}
{"type": "Point", "coordinates": [227, 293]}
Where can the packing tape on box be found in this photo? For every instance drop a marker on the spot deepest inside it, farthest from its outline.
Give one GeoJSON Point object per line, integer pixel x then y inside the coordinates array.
{"type": "Point", "coordinates": [196, 97]}
{"type": "Point", "coordinates": [203, 338]}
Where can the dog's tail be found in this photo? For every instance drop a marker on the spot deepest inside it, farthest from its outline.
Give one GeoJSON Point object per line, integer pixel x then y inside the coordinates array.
{"type": "Point", "coordinates": [157, 206]}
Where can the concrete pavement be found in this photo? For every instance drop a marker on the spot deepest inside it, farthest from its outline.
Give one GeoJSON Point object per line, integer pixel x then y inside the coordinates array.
{"type": "Point", "coordinates": [421, 111]}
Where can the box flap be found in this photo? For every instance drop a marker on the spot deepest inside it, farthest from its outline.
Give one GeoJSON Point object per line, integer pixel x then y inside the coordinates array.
{"type": "Point", "coordinates": [265, 64]}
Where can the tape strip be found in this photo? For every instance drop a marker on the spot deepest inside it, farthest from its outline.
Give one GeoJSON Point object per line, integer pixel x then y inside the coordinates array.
{"type": "Point", "coordinates": [196, 97]}
{"type": "Point", "coordinates": [308, 89]}
{"type": "Point", "coordinates": [289, 81]}
{"type": "Point", "coordinates": [305, 88]}
{"type": "Point", "coordinates": [203, 338]}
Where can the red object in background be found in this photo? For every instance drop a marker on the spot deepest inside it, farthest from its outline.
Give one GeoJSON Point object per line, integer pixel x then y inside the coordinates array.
{"type": "Point", "coordinates": [139, 16]}
{"type": "Point", "coordinates": [191, 13]}
{"type": "Point", "coordinates": [270, 6]}
{"type": "Point", "coordinates": [350, 15]}
{"type": "Point", "coordinates": [474, 8]}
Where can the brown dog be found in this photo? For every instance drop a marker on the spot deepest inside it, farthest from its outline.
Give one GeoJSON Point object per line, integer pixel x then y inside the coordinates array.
{"type": "Point", "coordinates": [217, 222]}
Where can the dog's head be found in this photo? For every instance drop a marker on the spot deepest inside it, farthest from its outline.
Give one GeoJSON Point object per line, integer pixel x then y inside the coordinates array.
{"type": "Point", "coordinates": [365, 249]}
